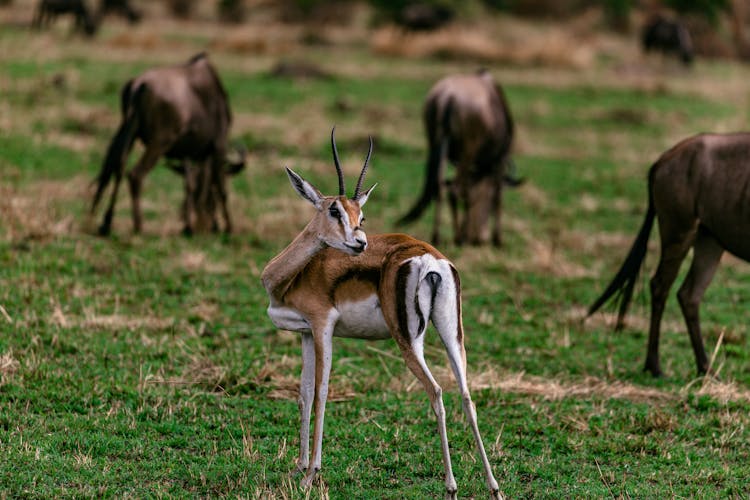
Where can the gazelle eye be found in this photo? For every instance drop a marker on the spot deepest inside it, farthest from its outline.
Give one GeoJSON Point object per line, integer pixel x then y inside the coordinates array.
{"type": "Point", "coordinates": [334, 212]}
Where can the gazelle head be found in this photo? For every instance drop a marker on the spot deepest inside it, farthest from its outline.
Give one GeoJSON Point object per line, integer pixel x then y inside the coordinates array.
{"type": "Point", "coordinates": [338, 223]}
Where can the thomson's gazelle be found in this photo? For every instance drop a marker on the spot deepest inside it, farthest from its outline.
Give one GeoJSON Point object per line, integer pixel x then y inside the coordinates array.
{"type": "Point", "coordinates": [332, 281]}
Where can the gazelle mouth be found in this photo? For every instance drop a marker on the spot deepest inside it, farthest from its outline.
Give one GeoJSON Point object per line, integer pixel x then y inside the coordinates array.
{"type": "Point", "coordinates": [357, 248]}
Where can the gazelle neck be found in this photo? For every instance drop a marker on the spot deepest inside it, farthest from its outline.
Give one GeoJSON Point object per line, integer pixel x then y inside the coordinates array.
{"type": "Point", "coordinates": [280, 272]}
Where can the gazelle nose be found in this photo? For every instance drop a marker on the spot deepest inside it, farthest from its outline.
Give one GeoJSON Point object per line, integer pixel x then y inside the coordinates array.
{"type": "Point", "coordinates": [362, 244]}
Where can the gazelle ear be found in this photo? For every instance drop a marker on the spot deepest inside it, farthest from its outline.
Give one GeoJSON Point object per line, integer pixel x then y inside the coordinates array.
{"type": "Point", "coordinates": [304, 188]}
{"type": "Point", "coordinates": [362, 198]}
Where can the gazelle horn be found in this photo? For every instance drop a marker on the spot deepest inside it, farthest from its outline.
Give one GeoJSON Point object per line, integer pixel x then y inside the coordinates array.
{"type": "Point", "coordinates": [336, 161]}
{"type": "Point", "coordinates": [362, 174]}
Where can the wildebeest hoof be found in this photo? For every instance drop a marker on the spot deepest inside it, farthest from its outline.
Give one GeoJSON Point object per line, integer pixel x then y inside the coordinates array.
{"type": "Point", "coordinates": [187, 231]}
{"type": "Point", "coordinates": [103, 230]}
{"type": "Point", "coordinates": [709, 373]}
{"type": "Point", "coordinates": [654, 370]}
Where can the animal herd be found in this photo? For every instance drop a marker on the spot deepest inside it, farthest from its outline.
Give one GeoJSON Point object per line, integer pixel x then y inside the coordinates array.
{"type": "Point", "coordinates": [86, 20]}
{"type": "Point", "coordinates": [334, 280]}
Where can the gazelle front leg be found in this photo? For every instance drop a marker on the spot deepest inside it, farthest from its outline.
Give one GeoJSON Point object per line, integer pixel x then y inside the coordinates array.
{"type": "Point", "coordinates": [323, 346]}
{"type": "Point", "coordinates": [306, 394]}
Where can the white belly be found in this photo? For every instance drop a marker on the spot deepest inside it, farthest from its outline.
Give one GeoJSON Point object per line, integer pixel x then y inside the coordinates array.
{"type": "Point", "coordinates": [362, 319]}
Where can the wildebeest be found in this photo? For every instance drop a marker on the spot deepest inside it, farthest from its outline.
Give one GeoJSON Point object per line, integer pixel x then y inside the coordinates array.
{"type": "Point", "coordinates": [467, 121]}
{"type": "Point", "coordinates": [120, 7]}
{"type": "Point", "coordinates": [48, 10]}
{"type": "Point", "coordinates": [424, 16]}
{"type": "Point", "coordinates": [700, 192]}
{"type": "Point", "coordinates": [668, 36]}
{"type": "Point", "coordinates": [180, 112]}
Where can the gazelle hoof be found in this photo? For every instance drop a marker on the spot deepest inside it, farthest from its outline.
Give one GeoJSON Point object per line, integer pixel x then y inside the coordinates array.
{"type": "Point", "coordinates": [495, 495]}
{"type": "Point", "coordinates": [451, 495]}
{"type": "Point", "coordinates": [307, 481]}
{"type": "Point", "coordinates": [299, 469]}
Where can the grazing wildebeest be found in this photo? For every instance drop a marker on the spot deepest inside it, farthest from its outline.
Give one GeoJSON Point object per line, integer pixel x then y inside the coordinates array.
{"type": "Point", "coordinates": [180, 112]}
{"type": "Point", "coordinates": [668, 36]}
{"type": "Point", "coordinates": [700, 192]}
{"type": "Point", "coordinates": [467, 120]}
{"type": "Point", "coordinates": [424, 16]}
{"type": "Point", "coordinates": [48, 10]}
{"type": "Point", "coordinates": [119, 7]}
{"type": "Point", "coordinates": [333, 280]}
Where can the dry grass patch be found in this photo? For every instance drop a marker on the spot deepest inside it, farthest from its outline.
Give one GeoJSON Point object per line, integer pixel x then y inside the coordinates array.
{"type": "Point", "coordinates": [119, 322]}
{"type": "Point", "coordinates": [551, 46]}
{"type": "Point", "coordinates": [34, 213]}
{"type": "Point", "coordinates": [8, 367]}
{"type": "Point", "coordinates": [199, 262]}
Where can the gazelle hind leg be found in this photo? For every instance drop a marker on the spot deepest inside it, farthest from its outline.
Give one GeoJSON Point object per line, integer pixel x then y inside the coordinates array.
{"type": "Point", "coordinates": [446, 316]}
{"type": "Point", "coordinates": [413, 354]}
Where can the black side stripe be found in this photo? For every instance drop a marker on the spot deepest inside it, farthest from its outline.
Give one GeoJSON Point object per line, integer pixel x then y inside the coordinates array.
{"type": "Point", "coordinates": [361, 273]}
{"type": "Point", "coordinates": [402, 278]}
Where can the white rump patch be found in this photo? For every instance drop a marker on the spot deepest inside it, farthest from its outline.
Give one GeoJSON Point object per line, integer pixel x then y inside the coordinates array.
{"type": "Point", "coordinates": [440, 307]}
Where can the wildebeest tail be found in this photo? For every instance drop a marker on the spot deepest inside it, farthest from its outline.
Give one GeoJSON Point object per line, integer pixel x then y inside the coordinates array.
{"type": "Point", "coordinates": [120, 144]}
{"type": "Point", "coordinates": [436, 154]}
{"type": "Point", "coordinates": [624, 281]}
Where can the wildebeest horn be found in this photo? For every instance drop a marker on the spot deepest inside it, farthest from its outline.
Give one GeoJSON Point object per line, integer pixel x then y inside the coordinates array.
{"type": "Point", "coordinates": [336, 161]}
{"type": "Point", "coordinates": [362, 174]}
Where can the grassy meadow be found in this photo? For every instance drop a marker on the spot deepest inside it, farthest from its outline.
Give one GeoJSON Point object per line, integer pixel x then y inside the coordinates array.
{"type": "Point", "coordinates": [145, 366]}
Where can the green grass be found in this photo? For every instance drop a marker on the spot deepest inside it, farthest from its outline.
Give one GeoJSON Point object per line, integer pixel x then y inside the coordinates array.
{"type": "Point", "coordinates": [145, 366]}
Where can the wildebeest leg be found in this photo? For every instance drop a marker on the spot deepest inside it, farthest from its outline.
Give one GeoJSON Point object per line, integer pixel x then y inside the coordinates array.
{"type": "Point", "coordinates": [36, 22]}
{"type": "Point", "coordinates": [707, 253]}
{"type": "Point", "coordinates": [450, 187]}
{"type": "Point", "coordinates": [188, 206]}
{"type": "Point", "coordinates": [497, 202]}
{"type": "Point", "coordinates": [462, 192]}
{"type": "Point", "coordinates": [675, 246]}
{"type": "Point", "coordinates": [204, 198]}
{"type": "Point", "coordinates": [106, 226]}
{"type": "Point", "coordinates": [135, 179]}
{"type": "Point", "coordinates": [439, 197]}
{"type": "Point", "coordinates": [218, 187]}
